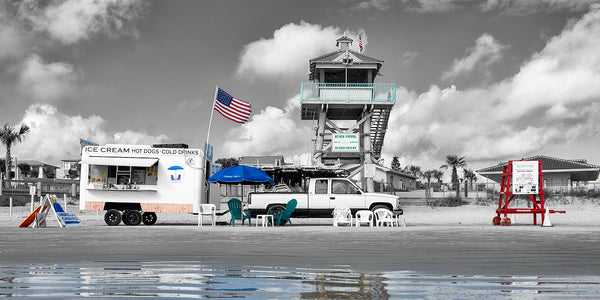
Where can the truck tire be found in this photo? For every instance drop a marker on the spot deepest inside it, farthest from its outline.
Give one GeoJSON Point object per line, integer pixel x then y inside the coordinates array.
{"type": "Point", "coordinates": [276, 210]}
{"type": "Point", "coordinates": [378, 206]}
{"type": "Point", "coordinates": [149, 218]}
{"type": "Point", "coordinates": [132, 217]}
{"type": "Point", "coordinates": [112, 217]}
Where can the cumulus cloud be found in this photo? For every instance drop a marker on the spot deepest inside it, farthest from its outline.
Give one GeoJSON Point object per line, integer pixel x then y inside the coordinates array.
{"type": "Point", "coordinates": [12, 43]}
{"type": "Point", "coordinates": [287, 52]}
{"type": "Point", "coordinates": [524, 7]}
{"type": "Point", "coordinates": [55, 136]}
{"type": "Point", "coordinates": [553, 99]}
{"type": "Point", "coordinates": [46, 82]}
{"type": "Point", "coordinates": [71, 21]}
{"type": "Point", "coordinates": [271, 132]}
{"type": "Point", "coordinates": [487, 51]}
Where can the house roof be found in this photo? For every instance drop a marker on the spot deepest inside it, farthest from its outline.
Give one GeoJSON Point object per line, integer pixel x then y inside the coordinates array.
{"type": "Point", "coordinates": [35, 163]}
{"type": "Point", "coordinates": [578, 168]}
{"type": "Point", "coordinates": [274, 160]}
{"type": "Point", "coordinates": [397, 172]}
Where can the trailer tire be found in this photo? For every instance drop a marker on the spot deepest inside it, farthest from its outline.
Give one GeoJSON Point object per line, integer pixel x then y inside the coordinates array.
{"type": "Point", "coordinates": [132, 217]}
{"type": "Point", "coordinates": [112, 217]}
{"type": "Point", "coordinates": [149, 218]}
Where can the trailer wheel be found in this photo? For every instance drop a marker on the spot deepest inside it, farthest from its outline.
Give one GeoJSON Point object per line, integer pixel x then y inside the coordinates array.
{"type": "Point", "coordinates": [505, 221]}
{"type": "Point", "coordinates": [149, 218]}
{"type": "Point", "coordinates": [132, 217]}
{"type": "Point", "coordinates": [112, 217]}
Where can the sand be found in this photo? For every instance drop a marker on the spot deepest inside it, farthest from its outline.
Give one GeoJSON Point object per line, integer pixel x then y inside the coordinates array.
{"type": "Point", "coordinates": [441, 240]}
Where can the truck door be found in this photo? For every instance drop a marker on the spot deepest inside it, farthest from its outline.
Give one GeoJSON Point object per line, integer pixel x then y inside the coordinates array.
{"type": "Point", "coordinates": [318, 199]}
{"type": "Point", "coordinates": [344, 193]}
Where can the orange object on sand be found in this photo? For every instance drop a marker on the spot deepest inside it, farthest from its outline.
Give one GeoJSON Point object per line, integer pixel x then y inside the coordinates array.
{"type": "Point", "coordinates": [31, 217]}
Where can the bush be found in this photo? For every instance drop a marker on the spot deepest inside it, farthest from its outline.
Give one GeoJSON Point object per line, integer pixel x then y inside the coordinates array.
{"type": "Point", "coordinates": [451, 201]}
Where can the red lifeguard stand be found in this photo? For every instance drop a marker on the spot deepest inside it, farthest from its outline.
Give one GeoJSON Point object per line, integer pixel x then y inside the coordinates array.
{"type": "Point", "coordinates": [522, 177]}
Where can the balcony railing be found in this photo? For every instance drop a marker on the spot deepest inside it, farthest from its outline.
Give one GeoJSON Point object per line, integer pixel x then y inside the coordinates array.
{"type": "Point", "coordinates": [348, 92]}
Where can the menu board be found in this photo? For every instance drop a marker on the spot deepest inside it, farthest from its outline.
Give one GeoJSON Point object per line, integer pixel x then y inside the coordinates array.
{"type": "Point", "coordinates": [525, 177]}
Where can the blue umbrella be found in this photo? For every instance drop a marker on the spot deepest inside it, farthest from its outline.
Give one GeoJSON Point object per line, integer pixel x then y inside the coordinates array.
{"type": "Point", "coordinates": [241, 174]}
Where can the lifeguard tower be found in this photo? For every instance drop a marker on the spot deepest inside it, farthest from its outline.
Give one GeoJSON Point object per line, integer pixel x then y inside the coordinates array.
{"type": "Point", "coordinates": [350, 111]}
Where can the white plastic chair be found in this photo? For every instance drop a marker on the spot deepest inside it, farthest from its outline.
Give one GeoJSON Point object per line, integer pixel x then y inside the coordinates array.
{"type": "Point", "coordinates": [342, 215]}
{"type": "Point", "coordinates": [384, 216]}
{"type": "Point", "coordinates": [364, 216]}
{"type": "Point", "coordinates": [207, 210]}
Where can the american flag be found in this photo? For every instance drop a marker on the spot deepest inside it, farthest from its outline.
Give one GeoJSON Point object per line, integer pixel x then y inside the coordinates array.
{"type": "Point", "coordinates": [360, 42]}
{"type": "Point", "coordinates": [232, 108]}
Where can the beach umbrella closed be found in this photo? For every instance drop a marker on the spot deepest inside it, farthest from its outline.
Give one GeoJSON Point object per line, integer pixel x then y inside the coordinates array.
{"type": "Point", "coordinates": [241, 175]}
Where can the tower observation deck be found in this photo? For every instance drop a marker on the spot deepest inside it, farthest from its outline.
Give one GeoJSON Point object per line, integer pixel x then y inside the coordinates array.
{"type": "Point", "coordinates": [349, 109]}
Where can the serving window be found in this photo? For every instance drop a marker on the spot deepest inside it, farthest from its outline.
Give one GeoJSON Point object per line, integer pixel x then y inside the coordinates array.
{"type": "Point", "coordinates": [107, 175]}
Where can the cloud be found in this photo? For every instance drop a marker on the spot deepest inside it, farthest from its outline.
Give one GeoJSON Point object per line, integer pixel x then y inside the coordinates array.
{"type": "Point", "coordinates": [486, 52]}
{"type": "Point", "coordinates": [431, 6]}
{"type": "Point", "coordinates": [289, 50]}
{"type": "Point", "coordinates": [553, 100]}
{"type": "Point", "coordinates": [55, 136]}
{"type": "Point", "coordinates": [12, 43]}
{"type": "Point", "coordinates": [524, 7]}
{"type": "Point", "coordinates": [47, 82]}
{"type": "Point", "coordinates": [408, 58]}
{"type": "Point", "coordinates": [271, 132]}
{"type": "Point", "coordinates": [71, 21]}
{"type": "Point", "coordinates": [372, 4]}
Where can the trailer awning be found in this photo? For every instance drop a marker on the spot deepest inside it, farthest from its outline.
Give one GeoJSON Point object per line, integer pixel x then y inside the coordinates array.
{"type": "Point", "coordinates": [121, 161]}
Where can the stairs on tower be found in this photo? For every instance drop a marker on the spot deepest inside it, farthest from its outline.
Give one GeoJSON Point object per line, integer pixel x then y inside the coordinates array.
{"type": "Point", "coordinates": [379, 123]}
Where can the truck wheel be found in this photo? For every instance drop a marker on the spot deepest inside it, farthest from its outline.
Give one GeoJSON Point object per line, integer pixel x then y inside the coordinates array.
{"type": "Point", "coordinates": [149, 218]}
{"type": "Point", "coordinates": [378, 207]}
{"type": "Point", "coordinates": [112, 217]}
{"type": "Point", "coordinates": [132, 217]}
{"type": "Point", "coordinates": [275, 210]}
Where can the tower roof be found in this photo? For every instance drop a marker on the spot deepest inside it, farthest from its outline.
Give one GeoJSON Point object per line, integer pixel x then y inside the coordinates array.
{"type": "Point", "coordinates": [335, 58]}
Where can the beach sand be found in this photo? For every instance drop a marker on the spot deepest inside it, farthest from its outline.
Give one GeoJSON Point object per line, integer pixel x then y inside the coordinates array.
{"type": "Point", "coordinates": [458, 240]}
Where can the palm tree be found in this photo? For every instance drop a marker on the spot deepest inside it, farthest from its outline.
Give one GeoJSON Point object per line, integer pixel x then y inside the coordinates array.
{"type": "Point", "coordinates": [427, 175]}
{"type": "Point", "coordinates": [468, 177]}
{"type": "Point", "coordinates": [9, 136]}
{"type": "Point", "coordinates": [455, 162]}
{"type": "Point", "coordinates": [437, 174]}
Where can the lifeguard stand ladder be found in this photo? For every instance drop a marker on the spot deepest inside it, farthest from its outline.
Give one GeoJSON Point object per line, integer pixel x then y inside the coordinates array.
{"type": "Point", "coordinates": [535, 194]}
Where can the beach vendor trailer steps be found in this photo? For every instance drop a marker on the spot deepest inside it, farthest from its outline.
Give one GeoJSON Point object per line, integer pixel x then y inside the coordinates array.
{"type": "Point", "coordinates": [134, 182]}
{"type": "Point", "coordinates": [522, 177]}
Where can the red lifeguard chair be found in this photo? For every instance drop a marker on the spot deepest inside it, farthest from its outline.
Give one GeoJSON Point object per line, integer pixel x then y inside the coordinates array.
{"type": "Point", "coordinates": [521, 177]}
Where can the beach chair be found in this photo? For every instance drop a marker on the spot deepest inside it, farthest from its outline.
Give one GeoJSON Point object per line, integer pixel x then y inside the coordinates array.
{"type": "Point", "coordinates": [208, 210]}
{"type": "Point", "coordinates": [342, 215]}
{"type": "Point", "coordinates": [364, 217]}
{"type": "Point", "coordinates": [235, 209]}
{"type": "Point", "coordinates": [384, 216]}
{"type": "Point", "coordinates": [284, 215]}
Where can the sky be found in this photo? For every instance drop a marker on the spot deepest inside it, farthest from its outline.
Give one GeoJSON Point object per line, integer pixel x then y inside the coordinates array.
{"type": "Point", "coordinates": [490, 80]}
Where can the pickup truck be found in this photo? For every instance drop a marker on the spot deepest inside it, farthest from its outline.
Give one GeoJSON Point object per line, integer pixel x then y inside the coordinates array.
{"type": "Point", "coordinates": [323, 195]}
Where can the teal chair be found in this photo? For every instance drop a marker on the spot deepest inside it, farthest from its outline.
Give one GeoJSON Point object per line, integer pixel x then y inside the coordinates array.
{"type": "Point", "coordinates": [285, 214]}
{"type": "Point", "coordinates": [235, 209]}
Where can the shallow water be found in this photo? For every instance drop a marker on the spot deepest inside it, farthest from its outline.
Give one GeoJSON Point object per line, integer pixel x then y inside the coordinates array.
{"type": "Point", "coordinates": [203, 280]}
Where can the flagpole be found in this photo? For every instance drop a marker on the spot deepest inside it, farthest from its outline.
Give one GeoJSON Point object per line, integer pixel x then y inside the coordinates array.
{"type": "Point", "coordinates": [206, 148]}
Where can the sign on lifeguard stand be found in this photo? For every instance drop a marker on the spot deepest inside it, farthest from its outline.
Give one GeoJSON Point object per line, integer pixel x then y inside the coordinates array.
{"type": "Point", "coordinates": [521, 177]}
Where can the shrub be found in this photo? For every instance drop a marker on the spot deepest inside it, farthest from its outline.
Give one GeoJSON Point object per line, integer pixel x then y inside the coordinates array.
{"type": "Point", "coordinates": [451, 201]}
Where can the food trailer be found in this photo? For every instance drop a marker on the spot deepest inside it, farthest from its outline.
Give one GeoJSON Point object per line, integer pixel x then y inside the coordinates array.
{"type": "Point", "coordinates": [133, 182]}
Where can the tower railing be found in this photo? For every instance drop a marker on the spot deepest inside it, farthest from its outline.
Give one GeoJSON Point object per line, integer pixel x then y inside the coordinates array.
{"type": "Point", "coordinates": [348, 92]}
